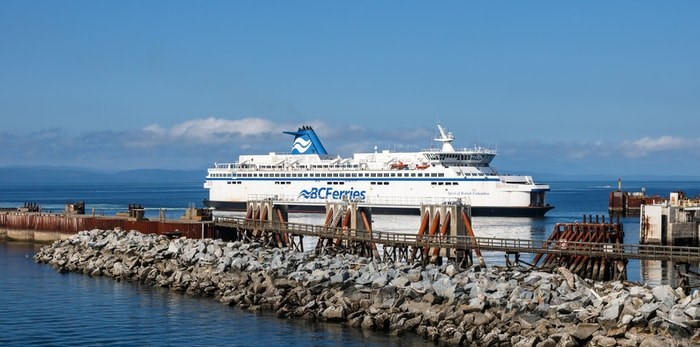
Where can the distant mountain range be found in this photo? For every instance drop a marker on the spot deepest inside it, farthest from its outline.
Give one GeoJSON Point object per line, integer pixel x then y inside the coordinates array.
{"type": "Point", "coordinates": [51, 174]}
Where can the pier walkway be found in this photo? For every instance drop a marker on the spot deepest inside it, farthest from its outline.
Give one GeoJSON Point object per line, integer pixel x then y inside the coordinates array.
{"type": "Point", "coordinates": [678, 254]}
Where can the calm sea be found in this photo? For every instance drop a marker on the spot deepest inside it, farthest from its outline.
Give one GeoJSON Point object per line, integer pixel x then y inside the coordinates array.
{"type": "Point", "coordinates": [39, 306]}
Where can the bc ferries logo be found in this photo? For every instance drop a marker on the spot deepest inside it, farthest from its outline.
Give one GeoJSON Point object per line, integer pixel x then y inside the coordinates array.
{"type": "Point", "coordinates": [301, 145]}
{"type": "Point", "coordinates": [330, 193]}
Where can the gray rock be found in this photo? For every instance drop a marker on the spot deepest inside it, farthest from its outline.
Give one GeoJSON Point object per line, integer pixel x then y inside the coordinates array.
{"type": "Point", "coordinates": [693, 312]}
{"type": "Point", "coordinates": [648, 309]}
{"type": "Point", "coordinates": [603, 341]}
{"type": "Point", "coordinates": [340, 277]}
{"type": "Point", "coordinates": [334, 313]}
{"type": "Point", "coordinates": [666, 295]}
{"type": "Point", "coordinates": [610, 314]}
{"type": "Point", "coordinates": [380, 280]}
{"type": "Point", "coordinates": [445, 289]}
{"type": "Point", "coordinates": [529, 341]}
{"type": "Point", "coordinates": [413, 275]}
{"type": "Point", "coordinates": [584, 331]}
{"type": "Point", "coordinates": [677, 317]}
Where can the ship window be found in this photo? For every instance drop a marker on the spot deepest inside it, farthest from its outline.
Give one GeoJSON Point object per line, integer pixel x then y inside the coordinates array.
{"type": "Point", "coordinates": [433, 175]}
{"type": "Point", "coordinates": [354, 175]}
{"type": "Point", "coordinates": [393, 175]}
{"type": "Point", "coordinates": [413, 175]}
{"type": "Point", "coordinates": [335, 175]}
{"type": "Point", "coordinates": [420, 175]}
{"type": "Point", "coordinates": [386, 183]}
{"type": "Point", "coordinates": [433, 183]}
{"type": "Point", "coordinates": [373, 174]}
{"type": "Point", "coordinates": [306, 175]}
{"type": "Point", "coordinates": [440, 183]}
{"type": "Point", "coordinates": [372, 183]}
{"type": "Point", "coordinates": [386, 175]}
{"type": "Point", "coordinates": [455, 183]}
{"type": "Point", "coordinates": [441, 175]}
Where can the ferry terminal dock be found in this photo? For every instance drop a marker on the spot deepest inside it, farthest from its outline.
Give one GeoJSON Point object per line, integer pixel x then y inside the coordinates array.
{"type": "Point", "coordinates": [267, 232]}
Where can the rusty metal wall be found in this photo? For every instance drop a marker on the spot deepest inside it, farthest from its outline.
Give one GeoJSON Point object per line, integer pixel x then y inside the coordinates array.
{"type": "Point", "coordinates": [72, 224]}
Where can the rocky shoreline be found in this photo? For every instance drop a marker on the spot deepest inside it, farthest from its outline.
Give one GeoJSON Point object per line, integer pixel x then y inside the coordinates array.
{"type": "Point", "coordinates": [482, 307]}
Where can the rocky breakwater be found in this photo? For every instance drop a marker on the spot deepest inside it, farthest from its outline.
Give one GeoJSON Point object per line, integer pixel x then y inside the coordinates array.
{"type": "Point", "coordinates": [486, 307]}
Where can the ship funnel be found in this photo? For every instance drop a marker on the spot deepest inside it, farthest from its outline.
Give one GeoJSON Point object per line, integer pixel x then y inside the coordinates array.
{"type": "Point", "coordinates": [306, 141]}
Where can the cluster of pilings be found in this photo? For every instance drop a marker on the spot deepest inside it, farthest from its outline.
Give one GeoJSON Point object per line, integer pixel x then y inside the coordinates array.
{"type": "Point", "coordinates": [350, 220]}
{"type": "Point", "coordinates": [260, 214]}
{"type": "Point", "coordinates": [439, 221]}
{"type": "Point", "coordinates": [572, 236]}
{"type": "Point", "coordinates": [348, 229]}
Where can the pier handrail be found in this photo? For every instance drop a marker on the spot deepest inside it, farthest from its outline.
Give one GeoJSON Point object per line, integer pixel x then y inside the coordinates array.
{"type": "Point", "coordinates": [592, 249]}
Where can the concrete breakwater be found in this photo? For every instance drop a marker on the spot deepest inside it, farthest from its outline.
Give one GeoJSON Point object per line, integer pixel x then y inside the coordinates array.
{"type": "Point", "coordinates": [484, 307]}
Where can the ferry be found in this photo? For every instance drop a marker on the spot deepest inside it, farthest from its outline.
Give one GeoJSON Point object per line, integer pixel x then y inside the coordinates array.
{"type": "Point", "coordinates": [389, 182]}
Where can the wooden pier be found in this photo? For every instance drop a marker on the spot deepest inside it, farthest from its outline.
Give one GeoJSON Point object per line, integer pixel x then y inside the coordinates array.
{"type": "Point", "coordinates": [591, 249]}
{"type": "Point", "coordinates": [573, 248]}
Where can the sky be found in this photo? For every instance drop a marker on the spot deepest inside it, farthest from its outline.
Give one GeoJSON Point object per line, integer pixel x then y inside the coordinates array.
{"type": "Point", "coordinates": [586, 88]}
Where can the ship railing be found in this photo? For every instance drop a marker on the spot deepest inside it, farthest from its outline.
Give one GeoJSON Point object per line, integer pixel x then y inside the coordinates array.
{"type": "Point", "coordinates": [225, 165]}
{"type": "Point", "coordinates": [387, 200]}
{"type": "Point", "coordinates": [472, 150]}
{"type": "Point", "coordinates": [415, 201]}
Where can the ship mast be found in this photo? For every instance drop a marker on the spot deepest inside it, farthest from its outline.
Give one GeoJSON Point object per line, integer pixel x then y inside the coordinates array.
{"type": "Point", "coordinates": [446, 138]}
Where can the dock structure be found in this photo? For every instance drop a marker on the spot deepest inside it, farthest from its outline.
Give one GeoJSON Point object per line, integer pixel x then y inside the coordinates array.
{"type": "Point", "coordinates": [592, 249]}
{"type": "Point", "coordinates": [32, 224]}
{"type": "Point", "coordinates": [676, 222]}
{"type": "Point", "coordinates": [566, 235]}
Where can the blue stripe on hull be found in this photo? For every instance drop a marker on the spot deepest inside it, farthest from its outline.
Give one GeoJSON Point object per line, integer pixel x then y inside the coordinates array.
{"type": "Point", "coordinates": [476, 211]}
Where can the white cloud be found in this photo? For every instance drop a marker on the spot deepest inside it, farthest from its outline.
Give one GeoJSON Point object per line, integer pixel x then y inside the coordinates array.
{"type": "Point", "coordinates": [213, 130]}
{"type": "Point", "coordinates": [646, 145]}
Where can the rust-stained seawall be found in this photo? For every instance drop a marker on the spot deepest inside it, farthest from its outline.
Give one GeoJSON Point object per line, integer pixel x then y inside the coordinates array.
{"type": "Point", "coordinates": [43, 227]}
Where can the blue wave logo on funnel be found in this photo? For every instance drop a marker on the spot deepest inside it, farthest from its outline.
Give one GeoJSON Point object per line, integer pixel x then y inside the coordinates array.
{"type": "Point", "coordinates": [306, 141]}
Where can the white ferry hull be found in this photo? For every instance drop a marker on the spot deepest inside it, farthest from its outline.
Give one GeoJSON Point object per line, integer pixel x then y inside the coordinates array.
{"type": "Point", "coordinates": [487, 196]}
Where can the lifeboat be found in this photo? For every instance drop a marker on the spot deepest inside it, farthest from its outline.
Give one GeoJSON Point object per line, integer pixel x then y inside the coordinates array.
{"type": "Point", "coordinates": [422, 166]}
{"type": "Point", "coordinates": [399, 166]}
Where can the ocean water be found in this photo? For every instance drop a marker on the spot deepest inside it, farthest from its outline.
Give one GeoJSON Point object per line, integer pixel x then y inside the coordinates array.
{"type": "Point", "coordinates": [39, 306]}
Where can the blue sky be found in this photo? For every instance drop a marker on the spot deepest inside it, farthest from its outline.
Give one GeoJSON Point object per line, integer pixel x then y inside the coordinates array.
{"type": "Point", "coordinates": [595, 87]}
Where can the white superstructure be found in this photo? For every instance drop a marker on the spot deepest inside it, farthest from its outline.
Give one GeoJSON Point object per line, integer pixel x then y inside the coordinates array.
{"type": "Point", "coordinates": [389, 182]}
